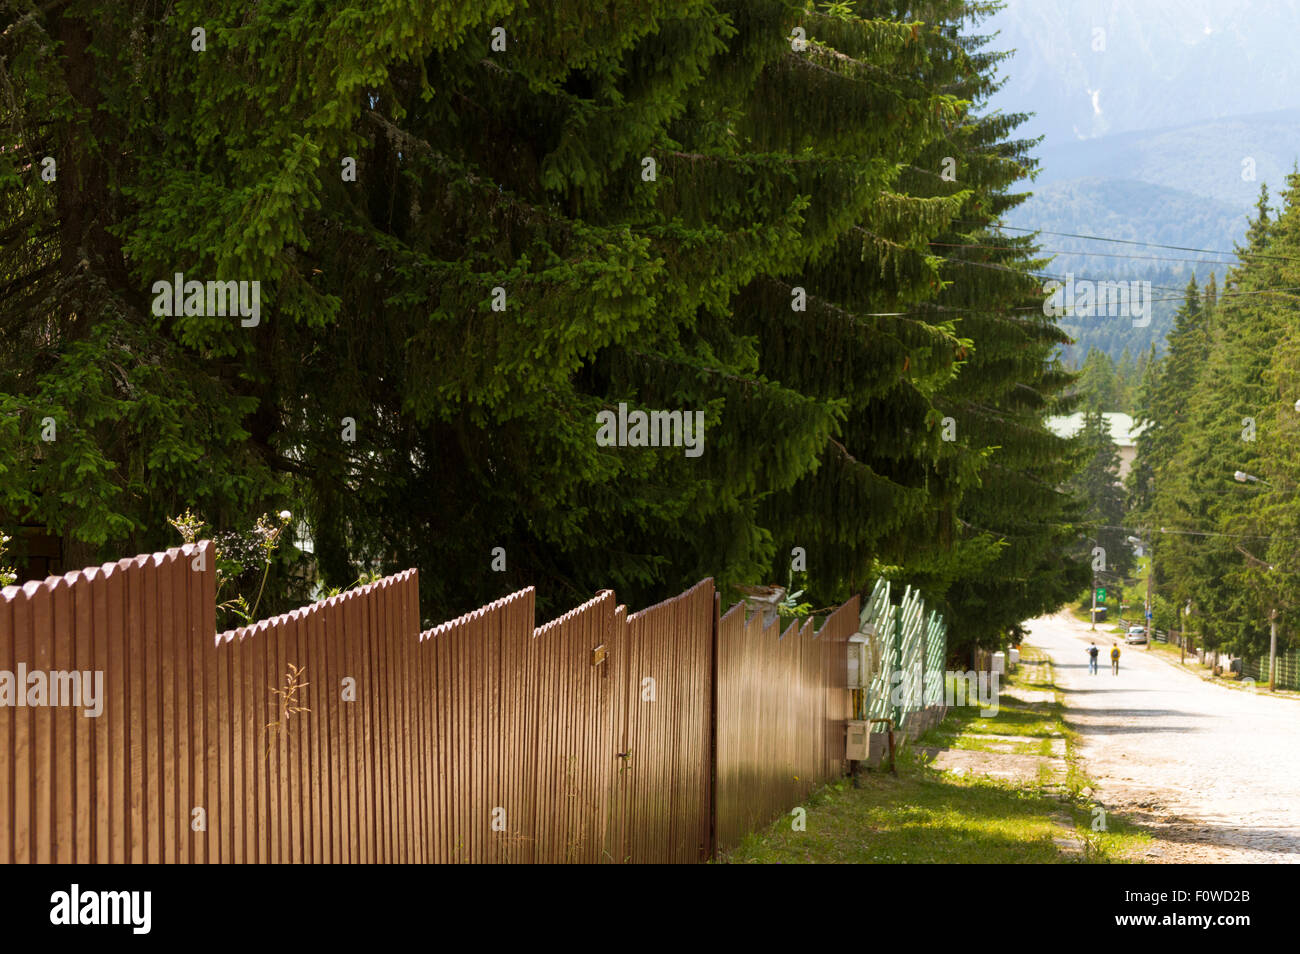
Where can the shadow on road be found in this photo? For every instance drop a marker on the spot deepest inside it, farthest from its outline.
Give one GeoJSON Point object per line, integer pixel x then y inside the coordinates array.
{"type": "Point", "coordinates": [1273, 841]}
{"type": "Point", "coordinates": [1106, 728]}
{"type": "Point", "coordinates": [1084, 692]}
{"type": "Point", "coordinates": [1178, 713]}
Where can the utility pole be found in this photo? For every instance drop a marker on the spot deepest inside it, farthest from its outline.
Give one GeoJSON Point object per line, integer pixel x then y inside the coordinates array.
{"type": "Point", "coordinates": [1151, 571]}
{"type": "Point", "coordinates": [1272, 651]}
{"type": "Point", "coordinates": [1094, 601]}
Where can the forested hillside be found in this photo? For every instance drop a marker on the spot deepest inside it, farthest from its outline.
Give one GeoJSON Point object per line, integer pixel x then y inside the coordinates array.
{"type": "Point", "coordinates": [1141, 218]}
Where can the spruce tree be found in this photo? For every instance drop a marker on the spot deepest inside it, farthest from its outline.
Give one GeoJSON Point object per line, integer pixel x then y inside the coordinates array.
{"type": "Point", "coordinates": [1160, 486]}
{"type": "Point", "coordinates": [1002, 555]}
{"type": "Point", "coordinates": [1097, 484]}
{"type": "Point", "coordinates": [1268, 571]}
{"type": "Point", "coordinates": [477, 228]}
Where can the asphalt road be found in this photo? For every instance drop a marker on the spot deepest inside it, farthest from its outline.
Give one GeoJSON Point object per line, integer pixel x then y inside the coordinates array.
{"type": "Point", "coordinates": [1215, 771]}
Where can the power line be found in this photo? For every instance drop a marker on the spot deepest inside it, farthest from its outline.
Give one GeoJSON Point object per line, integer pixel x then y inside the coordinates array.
{"type": "Point", "coordinates": [1176, 248]}
{"type": "Point", "coordinates": [1150, 531]}
{"type": "Point", "coordinates": [1164, 530]}
{"type": "Point", "coordinates": [1062, 251]}
{"type": "Point", "coordinates": [1179, 296]}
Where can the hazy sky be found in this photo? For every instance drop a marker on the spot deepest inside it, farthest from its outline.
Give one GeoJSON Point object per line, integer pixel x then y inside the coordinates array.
{"type": "Point", "coordinates": [1091, 68]}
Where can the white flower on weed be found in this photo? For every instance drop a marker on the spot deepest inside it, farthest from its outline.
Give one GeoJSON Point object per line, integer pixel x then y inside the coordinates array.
{"type": "Point", "coordinates": [285, 515]}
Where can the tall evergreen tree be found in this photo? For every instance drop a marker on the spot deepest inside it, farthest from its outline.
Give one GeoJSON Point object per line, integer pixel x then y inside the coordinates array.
{"type": "Point", "coordinates": [1098, 485]}
{"type": "Point", "coordinates": [1217, 406]}
{"type": "Point", "coordinates": [1003, 543]}
{"type": "Point", "coordinates": [1126, 379]}
{"type": "Point", "coordinates": [478, 228]}
{"type": "Point", "coordinates": [1160, 486]}
{"type": "Point", "coordinates": [1268, 571]}
{"type": "Point", "coordinates": [1099, 386]}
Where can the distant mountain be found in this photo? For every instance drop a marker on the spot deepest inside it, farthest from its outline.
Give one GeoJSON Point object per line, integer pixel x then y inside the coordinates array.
{"type": "Point", "coordinates": [1138, 211]}
{"type": "Point", "coordinates": [1154, 63]}
{"type": "Point", "coordinates": [1161, 120]}
{"type": "Point", "coordinates": [1225, 159]}
{"type": "Point", "coordinates": [1132, 210]}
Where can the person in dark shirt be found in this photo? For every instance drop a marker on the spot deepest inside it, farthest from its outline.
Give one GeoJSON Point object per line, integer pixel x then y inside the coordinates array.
{"type": "Point", "coordinates": [1092, 659]}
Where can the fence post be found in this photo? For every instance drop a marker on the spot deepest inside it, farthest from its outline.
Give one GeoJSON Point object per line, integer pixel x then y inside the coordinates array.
{"type": "Point", "coordinates": [713, 730]}
{"type": "Point", "coordinates": [896, 664]}
{"type": "Point", "coordinates": [923, 657]}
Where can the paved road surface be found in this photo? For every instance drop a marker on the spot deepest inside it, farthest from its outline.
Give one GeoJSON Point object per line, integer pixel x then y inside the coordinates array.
{"type": "Point", "coordinates": [1215, 770]}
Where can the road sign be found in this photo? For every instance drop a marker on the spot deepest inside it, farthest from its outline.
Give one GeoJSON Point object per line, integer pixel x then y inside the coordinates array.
{"type": "Point", "coordinates": [1101, 594]}
{"type": "Point", "coordinates": [1148, 614]}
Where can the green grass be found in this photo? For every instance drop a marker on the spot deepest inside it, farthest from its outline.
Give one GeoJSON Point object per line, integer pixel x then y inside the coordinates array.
{"type": "Point", "coordinates": [912, 819]}
{"type": "Point", "coordinates": [973, 743]}
{"type": "Point", "coordinates": [1013, 718]}
{"type": "Point", "coordinates": [923, 816]}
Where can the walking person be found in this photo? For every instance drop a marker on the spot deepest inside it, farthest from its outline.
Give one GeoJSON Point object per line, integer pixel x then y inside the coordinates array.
{"type": "Point", "coordinates": [1092, 658]}
{"type": "Point", "coordinates": [1114, 660]}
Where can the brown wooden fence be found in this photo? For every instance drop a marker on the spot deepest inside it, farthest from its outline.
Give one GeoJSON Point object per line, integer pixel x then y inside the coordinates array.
{"type": "Point", "coordinates": [782, 706]}
{"type": "Point", "coordinates": [117, 787]}
{"type": "Point", "coordinates": [341, 733]}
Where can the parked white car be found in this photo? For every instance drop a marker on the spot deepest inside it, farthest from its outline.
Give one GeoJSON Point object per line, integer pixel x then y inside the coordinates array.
{"type": "Point", "coordinates": [1136, 636]}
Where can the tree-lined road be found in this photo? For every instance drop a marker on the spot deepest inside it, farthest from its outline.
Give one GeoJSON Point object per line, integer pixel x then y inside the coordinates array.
{"type": "Point", "coordinates": [1215, 770]}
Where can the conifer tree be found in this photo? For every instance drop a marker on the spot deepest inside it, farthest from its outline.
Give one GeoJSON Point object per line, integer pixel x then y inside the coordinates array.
{"type": "Point", "coordinates": [1098, 383]}
{"type": "Point", "coordinates": [1165, 505]}
{"type": "Point", "coordinates": [477, 228]}
{"type": "Point", "coordinates": [1098, 485]}
{"type": "Point", "coordinates": [1126, 376]}
{"type": "Point", "coordinates": [1003, 555]}
{"type": "Point", "coordinates": [1216, 407]}
{"type": "Point", "coordinates": [1268, 569]}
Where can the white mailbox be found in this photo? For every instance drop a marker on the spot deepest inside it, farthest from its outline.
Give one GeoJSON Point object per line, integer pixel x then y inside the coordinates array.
{"type": "Point", "coordinates": [860, 657]}
{"type": "Point", "coordinates": [857, 660]}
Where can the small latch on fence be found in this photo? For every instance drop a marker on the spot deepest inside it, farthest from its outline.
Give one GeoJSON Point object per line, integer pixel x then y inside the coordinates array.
{"type": "Point", "coordinates": [598, 655]}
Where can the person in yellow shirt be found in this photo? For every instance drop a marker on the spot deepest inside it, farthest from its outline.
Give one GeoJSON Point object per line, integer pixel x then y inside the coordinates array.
{"type": "Point", "coordinates": [1114, 660]}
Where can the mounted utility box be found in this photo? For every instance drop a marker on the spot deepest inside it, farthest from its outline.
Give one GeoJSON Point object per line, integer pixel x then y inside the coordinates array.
{"type": "Point", "coordinates": [999, 663]}
{"type": "Point", "coordinates": [855, 745]}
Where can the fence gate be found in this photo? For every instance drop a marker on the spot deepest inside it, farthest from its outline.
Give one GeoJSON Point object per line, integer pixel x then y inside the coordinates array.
{"type": "Point", "coordinates": [661, 763]}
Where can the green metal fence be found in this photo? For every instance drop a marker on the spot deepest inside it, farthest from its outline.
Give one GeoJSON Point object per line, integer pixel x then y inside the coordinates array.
{"type": "Point", "coordinates": [1288, 670]}
{"type": "Point", "coordinates": [878, 622]}
{"type": "Point", "coordinates": [936, 648]}
{"type": "Point", "coordinates": [906, 650]}
{"type": "Point", "coordinates": [906, 689]}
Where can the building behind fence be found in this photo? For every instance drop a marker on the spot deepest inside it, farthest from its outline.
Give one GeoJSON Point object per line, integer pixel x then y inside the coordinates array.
{"type": "Point", "coordinates": [342, 733]}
